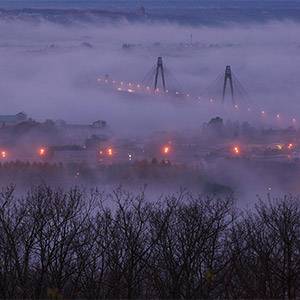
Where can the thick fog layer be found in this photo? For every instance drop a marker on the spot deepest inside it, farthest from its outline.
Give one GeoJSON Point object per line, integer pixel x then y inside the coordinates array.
{"type": "Point", "coordinates": [55, 71]}
{"type": "Point", "coordinates": [51, 71]}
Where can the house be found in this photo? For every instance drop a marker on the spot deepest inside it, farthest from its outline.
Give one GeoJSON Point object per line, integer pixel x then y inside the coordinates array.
{"type": "Point", "coordinates": [13, 119]}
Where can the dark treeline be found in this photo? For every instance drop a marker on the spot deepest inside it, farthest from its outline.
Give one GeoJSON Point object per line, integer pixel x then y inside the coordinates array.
{"type": "Point", "coordinates": [216, 128]}
{"type": "Point", "coordinates": [72, 244]}
{"type": "Point", "coordinates": [126, 173]}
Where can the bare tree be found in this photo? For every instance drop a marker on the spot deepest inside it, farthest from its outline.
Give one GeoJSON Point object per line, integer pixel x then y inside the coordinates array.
{"type": "Point", "coordinates": [268, 262]}
{"type": "Point", "coordinates": [189, 252]}
{"type": "Point", "coordinates": [57, 243]}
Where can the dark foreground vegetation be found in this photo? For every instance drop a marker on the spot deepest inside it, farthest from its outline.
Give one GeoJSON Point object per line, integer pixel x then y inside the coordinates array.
{"type": "Point", "coordinates": [72, 244]}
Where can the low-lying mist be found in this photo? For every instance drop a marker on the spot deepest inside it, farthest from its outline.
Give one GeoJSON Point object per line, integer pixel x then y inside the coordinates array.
{"type": "Point", "coordinates": [51, 71]}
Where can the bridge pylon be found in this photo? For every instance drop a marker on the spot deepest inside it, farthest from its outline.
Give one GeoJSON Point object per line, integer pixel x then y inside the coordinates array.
{"type": "Point", "coordinates": [227, 77]}
{"type": "Point", "coordinates": [159, 67]}
{"type": "Point", "coordinates": [161, 77]}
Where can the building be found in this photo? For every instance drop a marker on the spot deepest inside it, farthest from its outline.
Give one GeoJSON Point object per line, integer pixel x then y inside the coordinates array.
{"type": "Point", "coordinates": [96, 140]}
{"type": "Point", "coordinates": [77, 134]}
{"type": "Point", "coordinates": [141, 11]}
{"type": "Point", "coordinates": [13, 119]}
{"type": "Point", "coordinates": [99, 124]}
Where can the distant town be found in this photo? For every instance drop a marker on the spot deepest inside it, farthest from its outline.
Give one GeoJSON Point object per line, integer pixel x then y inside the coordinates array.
{"type": "Point", "coordinates": [95, 144]}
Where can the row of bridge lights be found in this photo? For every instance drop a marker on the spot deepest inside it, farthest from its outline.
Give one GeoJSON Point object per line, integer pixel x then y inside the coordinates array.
{"type": "Point", "coordinates": [157, 90]}
{"type": "Point", "coordinates": [211, 100]}
{"type": "Point", "coordinates": [131, 85]}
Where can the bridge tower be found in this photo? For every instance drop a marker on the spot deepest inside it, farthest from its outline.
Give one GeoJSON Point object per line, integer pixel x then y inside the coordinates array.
{"type": "Point", "coordinates": [227, 77]}
{"type": "Point", "coordinates": [160, 67]}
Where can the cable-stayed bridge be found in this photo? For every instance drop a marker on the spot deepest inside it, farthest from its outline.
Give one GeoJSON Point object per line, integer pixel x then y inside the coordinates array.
{"type": "Point", "coordinates": [225, 90]}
